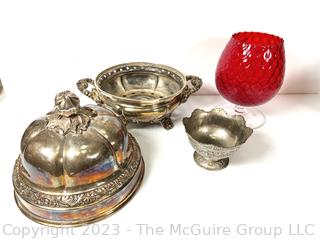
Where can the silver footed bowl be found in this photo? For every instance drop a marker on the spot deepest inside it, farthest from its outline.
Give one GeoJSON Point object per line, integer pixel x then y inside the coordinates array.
{"type": "Point", "coordinates": [141, 92]}
{"type": "Point", "coordinates": [215, 135]}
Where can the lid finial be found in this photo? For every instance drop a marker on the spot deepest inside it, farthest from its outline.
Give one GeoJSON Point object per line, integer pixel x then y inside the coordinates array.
{"type": "Point", "coordinates": [67, 102]}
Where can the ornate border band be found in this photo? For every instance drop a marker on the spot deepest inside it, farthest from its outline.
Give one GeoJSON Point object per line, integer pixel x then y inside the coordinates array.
{"type": "Point", "coordinates": [39, 198]}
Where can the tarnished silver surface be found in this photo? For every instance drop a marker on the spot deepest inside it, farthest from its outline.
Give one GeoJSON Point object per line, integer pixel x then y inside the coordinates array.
{"type": "Point", "coordinates": [215, 136]}
{"type": "Point", "coordinates": [77, 165]}
{"type": "Point", "coordinates": [1, 90]}
{"type": "Point", "coordinates": [141, 92]}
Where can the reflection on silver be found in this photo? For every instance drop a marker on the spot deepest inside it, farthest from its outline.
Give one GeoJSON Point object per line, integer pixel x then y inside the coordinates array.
{"type": "Point", "coordinates": [77, 165]}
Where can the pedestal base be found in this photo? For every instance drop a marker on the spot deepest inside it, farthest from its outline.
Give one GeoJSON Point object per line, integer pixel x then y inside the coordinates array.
{"type": "Point", "coordinates": [210, 164]}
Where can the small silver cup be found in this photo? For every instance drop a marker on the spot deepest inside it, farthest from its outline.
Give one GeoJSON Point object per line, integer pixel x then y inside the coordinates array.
{"type": "Point", "coordinates": [215, 135]}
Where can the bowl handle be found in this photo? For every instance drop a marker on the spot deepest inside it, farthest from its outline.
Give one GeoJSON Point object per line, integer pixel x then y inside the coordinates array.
{"type": "Point", "coordinates": [196, 83]}
{"type": "Point", "coordinates": [83, 85]}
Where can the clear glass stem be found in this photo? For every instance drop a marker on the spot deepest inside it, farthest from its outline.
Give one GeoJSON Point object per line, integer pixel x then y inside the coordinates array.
{"type": "Point", "coordinates": [253, 116]}
{"type": "Point", "coordinates": [240, 109]}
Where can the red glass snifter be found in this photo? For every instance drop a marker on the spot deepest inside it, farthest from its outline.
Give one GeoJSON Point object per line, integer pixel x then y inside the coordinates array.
{"type": "Point", "coordinates": [250, 72]}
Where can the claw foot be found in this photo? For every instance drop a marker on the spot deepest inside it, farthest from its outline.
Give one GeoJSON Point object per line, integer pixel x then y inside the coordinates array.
{"type": "Point", "coordinates": [166, 123]}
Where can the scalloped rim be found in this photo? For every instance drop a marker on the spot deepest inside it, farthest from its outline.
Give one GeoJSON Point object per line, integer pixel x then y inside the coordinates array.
{"type": "Point", "coordinates": [222, 113]}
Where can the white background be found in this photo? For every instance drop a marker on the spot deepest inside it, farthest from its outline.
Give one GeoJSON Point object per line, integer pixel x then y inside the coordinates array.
{"type": "Point", "coordinates": [51, 44]}
{"type": "Point", "coordinates": [46, 46]}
